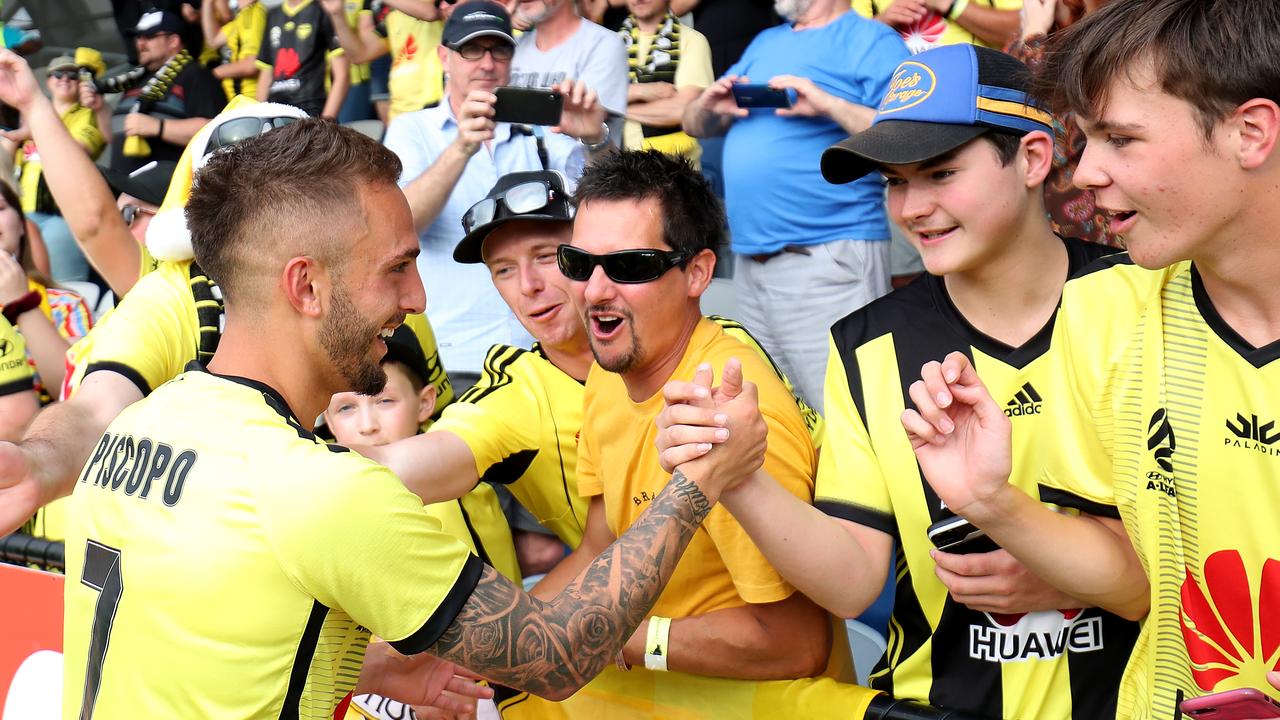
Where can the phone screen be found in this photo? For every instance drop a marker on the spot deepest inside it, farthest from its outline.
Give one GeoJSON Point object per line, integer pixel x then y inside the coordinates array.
{"type": "Point", "coordinates": [528, 106]}
{"type": "Point", "coordinates": [749, 95]}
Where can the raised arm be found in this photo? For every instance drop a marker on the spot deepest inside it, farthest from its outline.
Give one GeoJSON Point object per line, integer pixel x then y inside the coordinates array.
{"type": "Point", "coordinates": [213, 35]}
{"type": "Point", "coordinates": [358, 47]}
{"type": "Point", "coordinates": [86, 202]}
{"type": "Point", "coordinates": [714, 110]}
{"type": "Point", "coordinates": [428, 193]}
{"type": "Point", "coordinates": [435, 466]}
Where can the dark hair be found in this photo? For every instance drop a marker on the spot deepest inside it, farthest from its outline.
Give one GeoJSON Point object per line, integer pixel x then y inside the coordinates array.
{"type": "Point", "coordinates": [1214, 54]}
{"type": "Point", "coordinates": [12, 199]}
{"type": "Point", "coordinates": [692, 215]}
{"type": "Point", "coordinates": [298, 183]}
{"type": "Point", "coordinates": [416, 381]}
{"type": "Point", "coordinates": [1006, 145]}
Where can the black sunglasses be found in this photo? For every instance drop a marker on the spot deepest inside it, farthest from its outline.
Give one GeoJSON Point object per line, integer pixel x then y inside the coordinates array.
{"type": "Point", "coordinates": [624, 266]}
{"type": "Point", "coordinates": [233, 131]}
{"type": "Point", "coordinates": [520, 199]}
{"type": "Point", "coordinates": [66, 74]}
{"type": "Point", "coordinates": [131, 212]}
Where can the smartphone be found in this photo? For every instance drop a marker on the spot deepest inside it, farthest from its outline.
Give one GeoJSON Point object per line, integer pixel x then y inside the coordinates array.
{"type": "Point", "coordinates": [528, 106]}
{"type": "Point", "coordinates": [1238, 704]}
{"type": "Point", "coordinates": [749, 95]}
{"type": "Point", "coordinates": [959, 536]}
{"type": "Point", "coordinates": [10, 118]}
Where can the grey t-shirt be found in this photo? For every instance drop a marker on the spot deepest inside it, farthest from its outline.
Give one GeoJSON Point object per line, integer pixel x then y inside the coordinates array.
{"type": "Point", "coordinates": [592, 54]}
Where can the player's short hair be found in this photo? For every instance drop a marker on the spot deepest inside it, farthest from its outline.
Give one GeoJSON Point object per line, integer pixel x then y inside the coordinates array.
{"type": "Point", "coordinates": [692, 215]}
{"type": "Point", "coordinates": [296, 185]}
{"type": "Point", "coordinates": [1214, 54]}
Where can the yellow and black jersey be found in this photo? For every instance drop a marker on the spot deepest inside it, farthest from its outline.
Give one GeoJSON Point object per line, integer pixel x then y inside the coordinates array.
{"type": "Point", "coordinates": [1171, 423]}
{"type": "Point", "coordinates": [521, 422]}
{"type": "Point", "coordinates": [174, 315]}
{"type": "Point", "coordinates": [1043, 665]}
{"type": "Point", "coordinates": [223, 562]}
{"type": "Point", "coordinates": [244, 38]}
{"type": "Point", "coordinates": [16, 374]}
{"type": "Point", "coordinates": [812, 419]}
{"type": "Point", "coordinates": [297, 43]}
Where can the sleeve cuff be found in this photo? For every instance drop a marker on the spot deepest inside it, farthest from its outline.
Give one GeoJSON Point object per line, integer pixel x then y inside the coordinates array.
{"type": "Point", "coordinates": [17, 386]}
{"type": "Point", "coordinates": [874, 519]}
{"type": "Point", "coordinates": [1063, 498]}
{"type": "Point", "coordinates": [446, 613]}
{"type": "Point", "coordinates": [132, 375]}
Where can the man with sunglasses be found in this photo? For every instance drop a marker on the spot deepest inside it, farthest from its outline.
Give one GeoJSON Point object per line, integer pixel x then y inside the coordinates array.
{"type": "Point", "coordinates": [729, 637]}
{"type": "Point", "coordinates": [175, 99]}
{"type": "Point", "coordinates": [452, 155]}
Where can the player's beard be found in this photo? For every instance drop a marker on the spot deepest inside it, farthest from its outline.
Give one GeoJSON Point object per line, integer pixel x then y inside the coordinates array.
{"type": "Point", "coordinates": [346, 336]}
{"type": "Point", "coordinates": [791, 10]}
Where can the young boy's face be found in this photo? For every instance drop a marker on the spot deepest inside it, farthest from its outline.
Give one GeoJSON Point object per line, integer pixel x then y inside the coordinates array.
{"type": "Point", "coordinates": [957, 209]}
{"type": "Point", "coordinates": [393, 414]}
{"type": "Point", "coordinates": [1170, 193]}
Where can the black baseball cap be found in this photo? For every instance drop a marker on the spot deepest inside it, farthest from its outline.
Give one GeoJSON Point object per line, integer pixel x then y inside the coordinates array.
{"type": "Point", "coordinates": [937, 101]}
{"type": "Point", "coordinates": [540, 191]}
{"type": "Point", "coordinates": [156, 22]}
{"type": "Point", "coordinates": [404, 347]}
{"type": "Point", "coordinates": [478, 18]}
{"type": "Point", "coordinates": [149, 183]}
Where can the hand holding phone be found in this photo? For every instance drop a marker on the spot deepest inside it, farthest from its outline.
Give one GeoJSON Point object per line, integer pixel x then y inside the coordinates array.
{"type": "Point", "coordinates": [1238, 704]}
{"type": "Point", "coordinates": [528, 106]}
{"type": "Point", "coordinates": [752, 95]}
{"type": "Point", "coordinates": [960, 537]}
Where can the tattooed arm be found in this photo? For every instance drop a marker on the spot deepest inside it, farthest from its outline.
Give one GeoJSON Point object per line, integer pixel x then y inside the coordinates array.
{"type": "Point", "coordinates": [552, 648]}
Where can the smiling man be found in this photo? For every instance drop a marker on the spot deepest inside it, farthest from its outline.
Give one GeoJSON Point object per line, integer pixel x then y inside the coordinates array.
{"type": "Point", "coordinates": [1169, 357]}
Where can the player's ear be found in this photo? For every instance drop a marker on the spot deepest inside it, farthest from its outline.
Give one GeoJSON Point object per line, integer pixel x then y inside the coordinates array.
{"type": "Point", "coordinates": [1258, 121]}
{"type": "Point", "coordinates": [306, 284]}
{"type": "Point", "coordinates": [428, 405]}
{"type": "Point", "coordinates": [1036, 152]}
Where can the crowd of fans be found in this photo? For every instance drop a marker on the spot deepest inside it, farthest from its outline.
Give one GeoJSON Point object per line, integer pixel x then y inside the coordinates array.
{"type": "Point", "coordinates": [692, 504]}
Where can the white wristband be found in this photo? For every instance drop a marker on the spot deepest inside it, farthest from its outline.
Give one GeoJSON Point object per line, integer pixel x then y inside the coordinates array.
{"type": "Point", "coordinates": [656, 646]}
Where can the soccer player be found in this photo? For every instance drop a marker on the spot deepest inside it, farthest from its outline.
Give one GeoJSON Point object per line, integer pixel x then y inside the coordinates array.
{"type": "Point", "coordinates": [964, 153]}
{"type": "Point", "coordinates": [207, 574]}
{"type": "Point", "coordinates": [1166, 359]}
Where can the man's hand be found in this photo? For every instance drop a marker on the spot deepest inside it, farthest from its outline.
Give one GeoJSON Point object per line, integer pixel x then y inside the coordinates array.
{"type": "Point", "coordinates": [138, 124]}
{"type": "Point", "coordinates": [960, 436]}
{"type": "Point", "coordinates": [89, 97]}
{"type": "Point", "coordinates": [811, 101]}
{"type": "Point", "coordinates": [583, 115]}
{"type": "Point", "coordinates": [1037, 17]}
{"type": "Point", "coordinates": [13, 279]}
{"type": "Point", "coordinates": [18, 135]}
{"type": "Point", "coordinates": [718, 97]}
{"type": "Point", "coordinates": [904, 12]}
{"type": "Point", "coordinates": [18, 85]}
{"type": "Point", "coordinates": [335, 8]}
{"type": "Point", "coordinates": [475, 121]}
{"type": "Point", "coordinates": [728, 416]}
{"type": "Point", "coordinates": [996, 582]}
{"type": "Point", "coordinates": [650, 91]}
{"type": "Point", "coordinates": [20, 492]}
{"type": "Point", "coordinates": [420, 679]}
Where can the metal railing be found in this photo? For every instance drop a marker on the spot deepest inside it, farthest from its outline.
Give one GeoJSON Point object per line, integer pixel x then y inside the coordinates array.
{"type": "Point", "coordinates": [23, 549]}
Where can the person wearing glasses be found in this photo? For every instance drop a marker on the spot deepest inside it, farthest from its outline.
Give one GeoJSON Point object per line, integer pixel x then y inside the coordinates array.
{"type": "Point", "coordinates": [452, 155]}
{"type": "Point", "coordinates": [158, 117]}
{"type": "Point", "coordinates": [729, 637]}
{"type": "Point", "coordinates": [63, 83]}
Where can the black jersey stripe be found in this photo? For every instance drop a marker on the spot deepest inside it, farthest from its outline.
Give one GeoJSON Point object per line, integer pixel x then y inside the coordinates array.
{"type": "Point", "coordinates": [302, 661]}
{"type": "Point", "coordinates": [510, 468]}
{"type": "Point", "coordinates": [874, 519]}
{"type": "Point", "coordinates": [119, 368]}
{"type": "Point", "coordinates": [16, 386]}
{"type": "Point", "coordinates": [446, 612]}
{"type": "Point", "coordinates": [495, 375]}
{"type": "Point", "coordinates": [1062, 498]}
{"type": "Point", "coordinates": [475, 536]}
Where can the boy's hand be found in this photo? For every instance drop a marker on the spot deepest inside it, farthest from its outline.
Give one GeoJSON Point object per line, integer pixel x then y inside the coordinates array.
{"type": "Point", "coordinates": [960, 436]}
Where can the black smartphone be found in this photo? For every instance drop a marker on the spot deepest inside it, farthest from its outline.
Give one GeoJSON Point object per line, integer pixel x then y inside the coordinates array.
{"type": "Point", "coordinates": [749, 95]}
{"type": "Point", "coordinates": [10, 118]}
{"type": "Point", "coordinates": [528, 106]}
{"type": "Point", "coordinates": [959, 536]}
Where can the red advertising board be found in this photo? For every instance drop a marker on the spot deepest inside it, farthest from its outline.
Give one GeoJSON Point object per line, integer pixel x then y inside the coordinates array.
{"type": "Point", "coordinates": [30, 639]}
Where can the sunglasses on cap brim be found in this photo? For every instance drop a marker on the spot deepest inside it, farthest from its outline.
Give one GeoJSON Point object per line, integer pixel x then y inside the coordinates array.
{"type": "Point", "coordinates": [233, 131]}
{"type": "Point", "coordinates": [628, 267]}
{"type": "Point", "coordinates": [519, 199]}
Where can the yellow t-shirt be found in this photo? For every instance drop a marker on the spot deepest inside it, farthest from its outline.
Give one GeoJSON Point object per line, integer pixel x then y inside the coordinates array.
{"type": "Point", "coordinates": [353, 9]}
{"type": "Point", "coordinates": [82, 123]}
{"type": "Point", "coordinates": [223, 562]}
{"type": "Point", "coordinates": [16, 374]}
{"type": "Point", "coordinates": [416, 79]}
{"type": "Point", "coordinates": [934, 30]}
{"type": "Point", "coordinates": [693, 69]}
{"type": "Point", "coordinates": [1171, 423]}
{"type": "Point", "coordinates": [721, 568]}
{"type": "Point", "coordinates": [244, 39]}
{"type": "Point", "coordinates": [1053, 665]}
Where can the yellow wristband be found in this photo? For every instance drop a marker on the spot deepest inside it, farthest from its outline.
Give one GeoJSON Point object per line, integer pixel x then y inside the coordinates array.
{"type": "Point", "coordinates": [655, 647]}
{"type": "Point", "coordinates": [957, 7]}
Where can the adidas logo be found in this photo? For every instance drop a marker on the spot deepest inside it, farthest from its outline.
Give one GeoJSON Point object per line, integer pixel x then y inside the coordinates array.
{"type": "Point", "coordinates": [1025, 402]}
{"type": "Point", "coordinates": [1253, 434]}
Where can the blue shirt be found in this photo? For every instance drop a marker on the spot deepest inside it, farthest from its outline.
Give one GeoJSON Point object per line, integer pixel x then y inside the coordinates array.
{"type": "Point", "coordinates": [774, 191]}
{"type": "Point", "coordinates": [466, 311]}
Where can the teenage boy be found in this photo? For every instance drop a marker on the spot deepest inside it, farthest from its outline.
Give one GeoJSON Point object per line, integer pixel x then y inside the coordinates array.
{"type": "Point", "coordinates": [1169, 354]}
{"type": "Point", "coordinates": [964, 153]}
